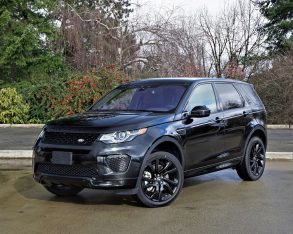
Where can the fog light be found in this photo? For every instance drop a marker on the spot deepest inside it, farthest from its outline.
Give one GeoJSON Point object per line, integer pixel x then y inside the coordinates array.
{"type": "Point", "coordinates": [113, 163]}
{"type": "Point", "coordinates": [118, 163]}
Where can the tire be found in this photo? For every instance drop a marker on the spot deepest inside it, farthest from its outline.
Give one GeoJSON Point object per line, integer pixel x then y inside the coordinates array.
{"type": "Point", "coordinates": [161, 180]}
{"type": "Point", "coordinates": [62, 190]}
{"type": "Point", "coordinates": [253, 164]}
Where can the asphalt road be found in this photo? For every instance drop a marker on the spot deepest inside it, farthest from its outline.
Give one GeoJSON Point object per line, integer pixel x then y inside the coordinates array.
{"type": "Point", "coordinates": [215, 203]}
{"type": "Point", "coordinates": [280, 140]}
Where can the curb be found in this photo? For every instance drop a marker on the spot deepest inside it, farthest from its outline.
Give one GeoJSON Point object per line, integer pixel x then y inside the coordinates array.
{"type": "Point", "coordinates": [27, 154]}
{"type": "Point", "coordinates": [280, 155]}
{"type": "Point", "coordinates": [16, 154]}
{"type": "Point", "coordinates": [21, 125]}
{"type": "Point", "coordinates": [279, 126]}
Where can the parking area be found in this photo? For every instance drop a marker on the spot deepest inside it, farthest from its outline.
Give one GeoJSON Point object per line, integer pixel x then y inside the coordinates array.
{"type": "Point", "coordinates": [216, 203]}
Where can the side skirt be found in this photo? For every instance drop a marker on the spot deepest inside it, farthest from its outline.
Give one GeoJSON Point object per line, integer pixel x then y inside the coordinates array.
{"type": "Point", "coordinates": [213, 167]}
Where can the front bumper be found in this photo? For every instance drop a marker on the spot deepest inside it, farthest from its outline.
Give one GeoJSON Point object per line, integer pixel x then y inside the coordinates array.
{"type": "Point", "coordinates": [85, 182]}
{"type": "Point", "coordinates": [88, 169]}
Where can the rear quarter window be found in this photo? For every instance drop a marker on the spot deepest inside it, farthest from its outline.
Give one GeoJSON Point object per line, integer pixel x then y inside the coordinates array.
{"type": "Point", "coordinates": [248, 92]}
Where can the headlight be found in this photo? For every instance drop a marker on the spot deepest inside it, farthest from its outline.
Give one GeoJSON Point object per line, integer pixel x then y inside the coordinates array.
{"type": "Point", "coordinates": [119, 137]}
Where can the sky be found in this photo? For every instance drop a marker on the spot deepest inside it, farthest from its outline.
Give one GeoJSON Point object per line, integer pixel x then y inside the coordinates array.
{"type": "Point", "coordinates": [188, 6]}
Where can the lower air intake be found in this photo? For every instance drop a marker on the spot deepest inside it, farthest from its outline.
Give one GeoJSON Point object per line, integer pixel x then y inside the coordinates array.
{"type": "Point", "coordinates": [118, 163]}
{"type": "Point", "coordinates": [67, 170]}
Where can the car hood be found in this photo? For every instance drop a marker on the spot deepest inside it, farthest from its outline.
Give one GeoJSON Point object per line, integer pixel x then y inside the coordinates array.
{"type": "Point", "coordinates": [111, 121]}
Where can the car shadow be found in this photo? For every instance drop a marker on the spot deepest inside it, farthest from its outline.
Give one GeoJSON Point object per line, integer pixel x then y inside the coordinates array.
{"type": "Point", "coordinates": [29, 189]}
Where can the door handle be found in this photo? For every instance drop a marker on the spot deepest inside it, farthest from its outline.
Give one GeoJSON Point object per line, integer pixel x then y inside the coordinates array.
{"type": "Point", "coordinates": [245, 113]}
{"type": "Point", "coordinates": [218, 119]}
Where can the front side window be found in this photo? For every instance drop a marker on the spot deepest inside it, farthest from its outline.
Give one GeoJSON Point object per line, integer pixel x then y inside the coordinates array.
{"type": "Point", "coordinates": [158, 98]}
{"type": "Point", "coordinates": [229, 96]}
{"type": "Point", "coordinates": [203, 95]}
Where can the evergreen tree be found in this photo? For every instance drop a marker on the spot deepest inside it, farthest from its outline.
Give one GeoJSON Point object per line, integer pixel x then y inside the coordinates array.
{"type": "Point", "coordinates": [27, 29]}
{"type": "Point", "coordinates": [280, 26]}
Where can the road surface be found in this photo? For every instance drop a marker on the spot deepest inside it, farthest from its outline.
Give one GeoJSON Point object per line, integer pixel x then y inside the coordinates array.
{"type": "Point", "coordinates": [216, 203]}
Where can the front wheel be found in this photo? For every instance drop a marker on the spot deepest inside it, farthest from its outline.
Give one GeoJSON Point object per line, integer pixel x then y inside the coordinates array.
{"type": "Point", "coordinates": [161, 180]}
{"type": "Point", "coordinates": [62, 190]}
{"type": "Point", "coordinates": [252, 166]}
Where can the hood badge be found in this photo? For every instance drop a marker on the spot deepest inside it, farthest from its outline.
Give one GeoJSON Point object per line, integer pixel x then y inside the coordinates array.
{"type": "Point", "coordinates": [80, 140]}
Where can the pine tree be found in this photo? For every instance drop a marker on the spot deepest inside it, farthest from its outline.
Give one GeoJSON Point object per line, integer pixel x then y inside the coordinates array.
{"type": "Point", "coordinates": [27, 29]}
{"type": "Point", "coordinates": [280, 26]}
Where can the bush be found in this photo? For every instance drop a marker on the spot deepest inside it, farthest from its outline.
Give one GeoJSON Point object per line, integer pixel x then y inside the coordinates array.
{"type": "Point", "coordinates": [40, 94]}
{"type": "Point", "coordinates": [83, 90]}
{"type": "Point", "coordinates": [13, 109]}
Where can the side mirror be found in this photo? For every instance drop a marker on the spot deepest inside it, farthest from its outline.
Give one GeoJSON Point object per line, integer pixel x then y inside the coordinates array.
{"type": "Point", "coordinates": [199, 112]}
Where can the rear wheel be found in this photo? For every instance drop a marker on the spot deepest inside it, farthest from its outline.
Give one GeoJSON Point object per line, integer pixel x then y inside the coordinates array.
{"type": "Point", "coordinates": [253, 164]}
{"type": "Point", "coordinates": [62, 190]}
{"type": "Point", "coordinates": [161, 180]}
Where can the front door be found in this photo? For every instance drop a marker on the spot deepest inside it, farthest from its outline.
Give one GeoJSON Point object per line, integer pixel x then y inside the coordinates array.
{"type": "Point", "coordinates": [203, 143]}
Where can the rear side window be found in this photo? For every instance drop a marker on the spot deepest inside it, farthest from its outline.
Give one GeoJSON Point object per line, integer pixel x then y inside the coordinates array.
{"type": "Point", "coordinates": [229, 97]}
{"type": "Point", "coordinates": [249, 94]}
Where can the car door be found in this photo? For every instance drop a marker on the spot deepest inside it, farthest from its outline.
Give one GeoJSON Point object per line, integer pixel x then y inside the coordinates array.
{"type": "Point", "coordinates": [237, 116]}
{"type": "Point", "coordinates": [203, 142]}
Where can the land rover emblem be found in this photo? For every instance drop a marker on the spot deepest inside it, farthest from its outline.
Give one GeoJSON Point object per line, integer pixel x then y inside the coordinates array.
{"type": "Point", "coordinates": [80, 140]}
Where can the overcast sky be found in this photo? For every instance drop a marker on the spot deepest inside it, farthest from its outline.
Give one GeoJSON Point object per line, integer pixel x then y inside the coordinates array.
{"type": "Point", "coordinates": [188, 6]}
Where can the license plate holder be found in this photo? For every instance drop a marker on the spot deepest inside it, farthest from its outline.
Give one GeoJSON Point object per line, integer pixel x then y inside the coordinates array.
{"type": "Point", "coordinates": [61, 157]}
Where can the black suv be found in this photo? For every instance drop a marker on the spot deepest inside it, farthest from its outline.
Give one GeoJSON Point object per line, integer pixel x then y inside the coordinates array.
{"type": "Point", "coordinates": [145, 137]}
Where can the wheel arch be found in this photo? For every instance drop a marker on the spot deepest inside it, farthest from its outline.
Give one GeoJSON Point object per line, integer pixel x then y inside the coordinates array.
{"type": "Point", "coordinates": [166, 143]}
{"type": "Point", "coordinates": [260, 132]}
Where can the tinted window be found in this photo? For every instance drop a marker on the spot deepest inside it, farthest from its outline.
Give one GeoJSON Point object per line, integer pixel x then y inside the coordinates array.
{"type": "Point", "coordinates": [160, 98]}
{"type": "Point", "coordinates": [229, 96]}
{"type": "Point", "coordinates": [203, 95]}
{"type": "Point", "coordinates": [248, 93]}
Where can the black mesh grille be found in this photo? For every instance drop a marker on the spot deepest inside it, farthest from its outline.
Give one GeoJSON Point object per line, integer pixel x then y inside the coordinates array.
{"type": "Point", "coordinates": [67, 170]}
{"type": "Point", "coordinates": [66, 138]}
{"type": "Point", "coordinates": [118, 163]}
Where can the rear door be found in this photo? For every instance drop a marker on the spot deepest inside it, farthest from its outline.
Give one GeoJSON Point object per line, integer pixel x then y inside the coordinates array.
{"type": "Point", "coordinates": [237, 117]}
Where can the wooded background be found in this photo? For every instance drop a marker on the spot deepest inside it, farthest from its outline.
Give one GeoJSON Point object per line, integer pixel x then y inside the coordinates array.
{"type": "Point", "coordinates": [59, 56]}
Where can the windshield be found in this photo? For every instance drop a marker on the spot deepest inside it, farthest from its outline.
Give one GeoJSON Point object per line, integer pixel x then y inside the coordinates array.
{"type": "Point", "coordinates": [159, 98]}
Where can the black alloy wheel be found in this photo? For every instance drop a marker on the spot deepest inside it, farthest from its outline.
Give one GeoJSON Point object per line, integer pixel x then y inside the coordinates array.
{"type": "Point", "coordinates": [257, 157]}
{"type": "Point", "coordinates": [161, 180]}
{"type": "Point", "coordinates": [253, 164]}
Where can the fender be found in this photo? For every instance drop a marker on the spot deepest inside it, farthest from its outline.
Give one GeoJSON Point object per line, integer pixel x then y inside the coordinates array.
{"type": "Point", "coordinates": [153, 146]}
{"type": "Point", "coordinates": [255, 128]}
{"type": "Point", "coordinates": [146, 157]}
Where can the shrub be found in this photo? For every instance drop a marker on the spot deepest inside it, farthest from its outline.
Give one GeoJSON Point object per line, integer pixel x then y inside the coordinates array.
{"type": "Point", "coordinates": [83, 90]}
{"type": "Point", "coordinates": [40, 94]}
{"type": "Point", "coordinates": [13, 109]}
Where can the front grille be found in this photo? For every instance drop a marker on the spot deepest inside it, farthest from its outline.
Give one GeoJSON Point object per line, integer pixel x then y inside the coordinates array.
{"type": "Point", "coordinates": [118, 163]}
{"type": "Point", "coordinates": [67, 170]}
{"type": "Point", "coordinates": [67, 138]}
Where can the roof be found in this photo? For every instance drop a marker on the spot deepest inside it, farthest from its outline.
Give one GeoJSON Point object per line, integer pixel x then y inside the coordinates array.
{"type": "Point", "coordinates": [179, 80]}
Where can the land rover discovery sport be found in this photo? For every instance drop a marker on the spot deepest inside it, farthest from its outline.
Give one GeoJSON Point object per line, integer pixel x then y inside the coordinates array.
{"type": "Point", "coordinates": [145, 137]}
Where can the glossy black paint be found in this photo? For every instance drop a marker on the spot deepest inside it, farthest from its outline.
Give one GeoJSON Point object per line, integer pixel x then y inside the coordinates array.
{"type": "Point", "coordinates": [202, 145]}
